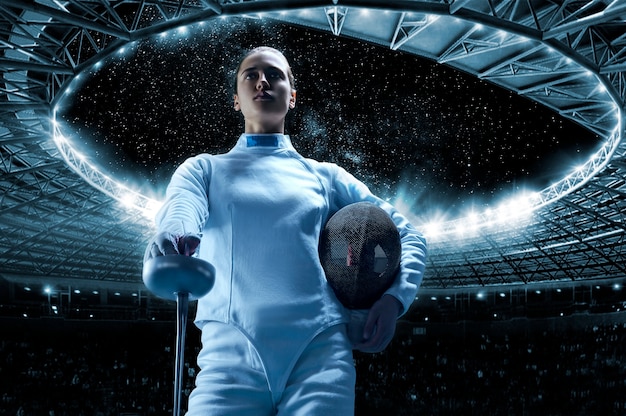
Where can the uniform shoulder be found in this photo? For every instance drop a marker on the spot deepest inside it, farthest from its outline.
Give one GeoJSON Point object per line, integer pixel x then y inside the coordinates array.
{"type": "Point", "coordinates": [325, 166]}
{"type": "Point", "coordinates": [195, 163]}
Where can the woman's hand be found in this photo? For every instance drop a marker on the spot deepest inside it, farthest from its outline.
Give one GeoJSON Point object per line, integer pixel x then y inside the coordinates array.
{"type": "Point", "coordinates": [166, 243]}
{"type": "Point", "coordinates": [380, 325]}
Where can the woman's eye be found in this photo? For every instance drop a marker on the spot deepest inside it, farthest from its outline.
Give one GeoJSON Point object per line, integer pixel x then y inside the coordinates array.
{"type": "Point", "coordinates": [274, 75]}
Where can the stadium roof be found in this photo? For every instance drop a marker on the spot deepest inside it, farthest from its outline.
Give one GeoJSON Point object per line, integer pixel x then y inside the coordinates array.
{"type": "Point", "coordinates": [61, 221]}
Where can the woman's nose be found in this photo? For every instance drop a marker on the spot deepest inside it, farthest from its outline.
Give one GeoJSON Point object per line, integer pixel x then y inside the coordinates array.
{"type": "Point", "coordinates": [262, 83]}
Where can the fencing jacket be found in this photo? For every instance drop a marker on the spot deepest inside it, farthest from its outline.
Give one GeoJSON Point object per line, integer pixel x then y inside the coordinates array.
{"type": "Point", "coordinates": [260, 209]}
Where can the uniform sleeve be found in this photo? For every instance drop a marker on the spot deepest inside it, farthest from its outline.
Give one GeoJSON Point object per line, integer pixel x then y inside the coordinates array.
{"type": "Point", "coordinates": [186, 206]}
{"type": "Point", "coordinates": [347, 190]}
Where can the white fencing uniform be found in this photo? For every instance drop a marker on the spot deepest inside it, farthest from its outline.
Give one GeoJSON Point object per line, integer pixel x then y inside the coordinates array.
{"type": "Point", "coordinates": [260, 209]}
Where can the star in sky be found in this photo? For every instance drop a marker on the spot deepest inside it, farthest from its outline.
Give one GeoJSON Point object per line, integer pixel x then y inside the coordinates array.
{"type": "Point", "coordinates": [443, 139]}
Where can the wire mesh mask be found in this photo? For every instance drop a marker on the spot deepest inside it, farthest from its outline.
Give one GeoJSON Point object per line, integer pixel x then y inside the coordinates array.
{"type": "Point", "coordinates": [360, 254]}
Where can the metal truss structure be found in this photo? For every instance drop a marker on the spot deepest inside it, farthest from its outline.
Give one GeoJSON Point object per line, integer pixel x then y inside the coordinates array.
{"type": "Point", "coordinates": [56, 222]}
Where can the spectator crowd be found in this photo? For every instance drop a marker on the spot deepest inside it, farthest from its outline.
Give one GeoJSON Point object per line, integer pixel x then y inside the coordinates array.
{"type": "Point", "coordinates": [56, 367]}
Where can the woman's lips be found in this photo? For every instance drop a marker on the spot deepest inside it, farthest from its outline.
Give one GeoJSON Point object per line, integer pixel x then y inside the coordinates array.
{"type": "Point", "coordinates": [263, 96]}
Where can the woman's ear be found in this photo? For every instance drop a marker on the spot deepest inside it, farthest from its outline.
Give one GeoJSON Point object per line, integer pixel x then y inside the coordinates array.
{"type": "Point", "coordinates": [292, 100]}
{"type": "Point", "coordinates": [236, 103]}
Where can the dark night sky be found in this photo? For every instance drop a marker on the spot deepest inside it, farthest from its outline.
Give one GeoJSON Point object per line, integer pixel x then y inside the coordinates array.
{"type": "Point", "coordinates": [442, 139]}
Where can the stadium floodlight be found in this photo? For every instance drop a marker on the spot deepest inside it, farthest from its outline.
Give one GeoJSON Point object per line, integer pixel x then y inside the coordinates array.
{"type": "Point", "coordinates": [129, 198]}
{"type": "Point", "coordinates": [514, 213]}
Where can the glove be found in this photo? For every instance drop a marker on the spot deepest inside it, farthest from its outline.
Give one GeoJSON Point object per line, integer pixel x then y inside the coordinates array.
{"type": "Point", "coordinates": [165, 243]}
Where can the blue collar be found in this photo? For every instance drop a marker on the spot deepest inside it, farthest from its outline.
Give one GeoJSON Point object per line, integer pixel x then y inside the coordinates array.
{"type": "Point", "coordinates": [265, 140]}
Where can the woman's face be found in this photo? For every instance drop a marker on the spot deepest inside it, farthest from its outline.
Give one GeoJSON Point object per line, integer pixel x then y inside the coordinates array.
{"type": "Point", "coordinates": [264, 93]}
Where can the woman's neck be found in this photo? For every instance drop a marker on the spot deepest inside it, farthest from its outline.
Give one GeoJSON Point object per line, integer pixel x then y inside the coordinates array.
{"type": "Point", "coordinates": [252, 128]}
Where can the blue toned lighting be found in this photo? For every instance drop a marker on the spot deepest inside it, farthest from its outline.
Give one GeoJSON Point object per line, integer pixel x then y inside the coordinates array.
{"type": "Point", "coordinates": [510, 213]}
{"type": "Point", "coordinates": [127, 197]}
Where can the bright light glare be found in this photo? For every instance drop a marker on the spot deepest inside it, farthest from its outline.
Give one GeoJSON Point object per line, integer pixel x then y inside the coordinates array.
{"type": "Point", "coordinates": [128, 199]}
{"type": "Point", "coordinates": [473, 221]}
{"type": "Point", "coordinates": [60, 139]}
{"type": "Point", "coordinates": [460, 229]}
{"type": "Point", "coordinates": [511, 212]}
{"type": "Point", "coordinates": [432, 229]}
{"type": "Point", "coordinates": [152, 207]}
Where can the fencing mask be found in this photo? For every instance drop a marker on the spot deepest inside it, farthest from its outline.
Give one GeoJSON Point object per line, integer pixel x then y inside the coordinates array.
{"type": "Point", "coordinates": [360, 252]}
